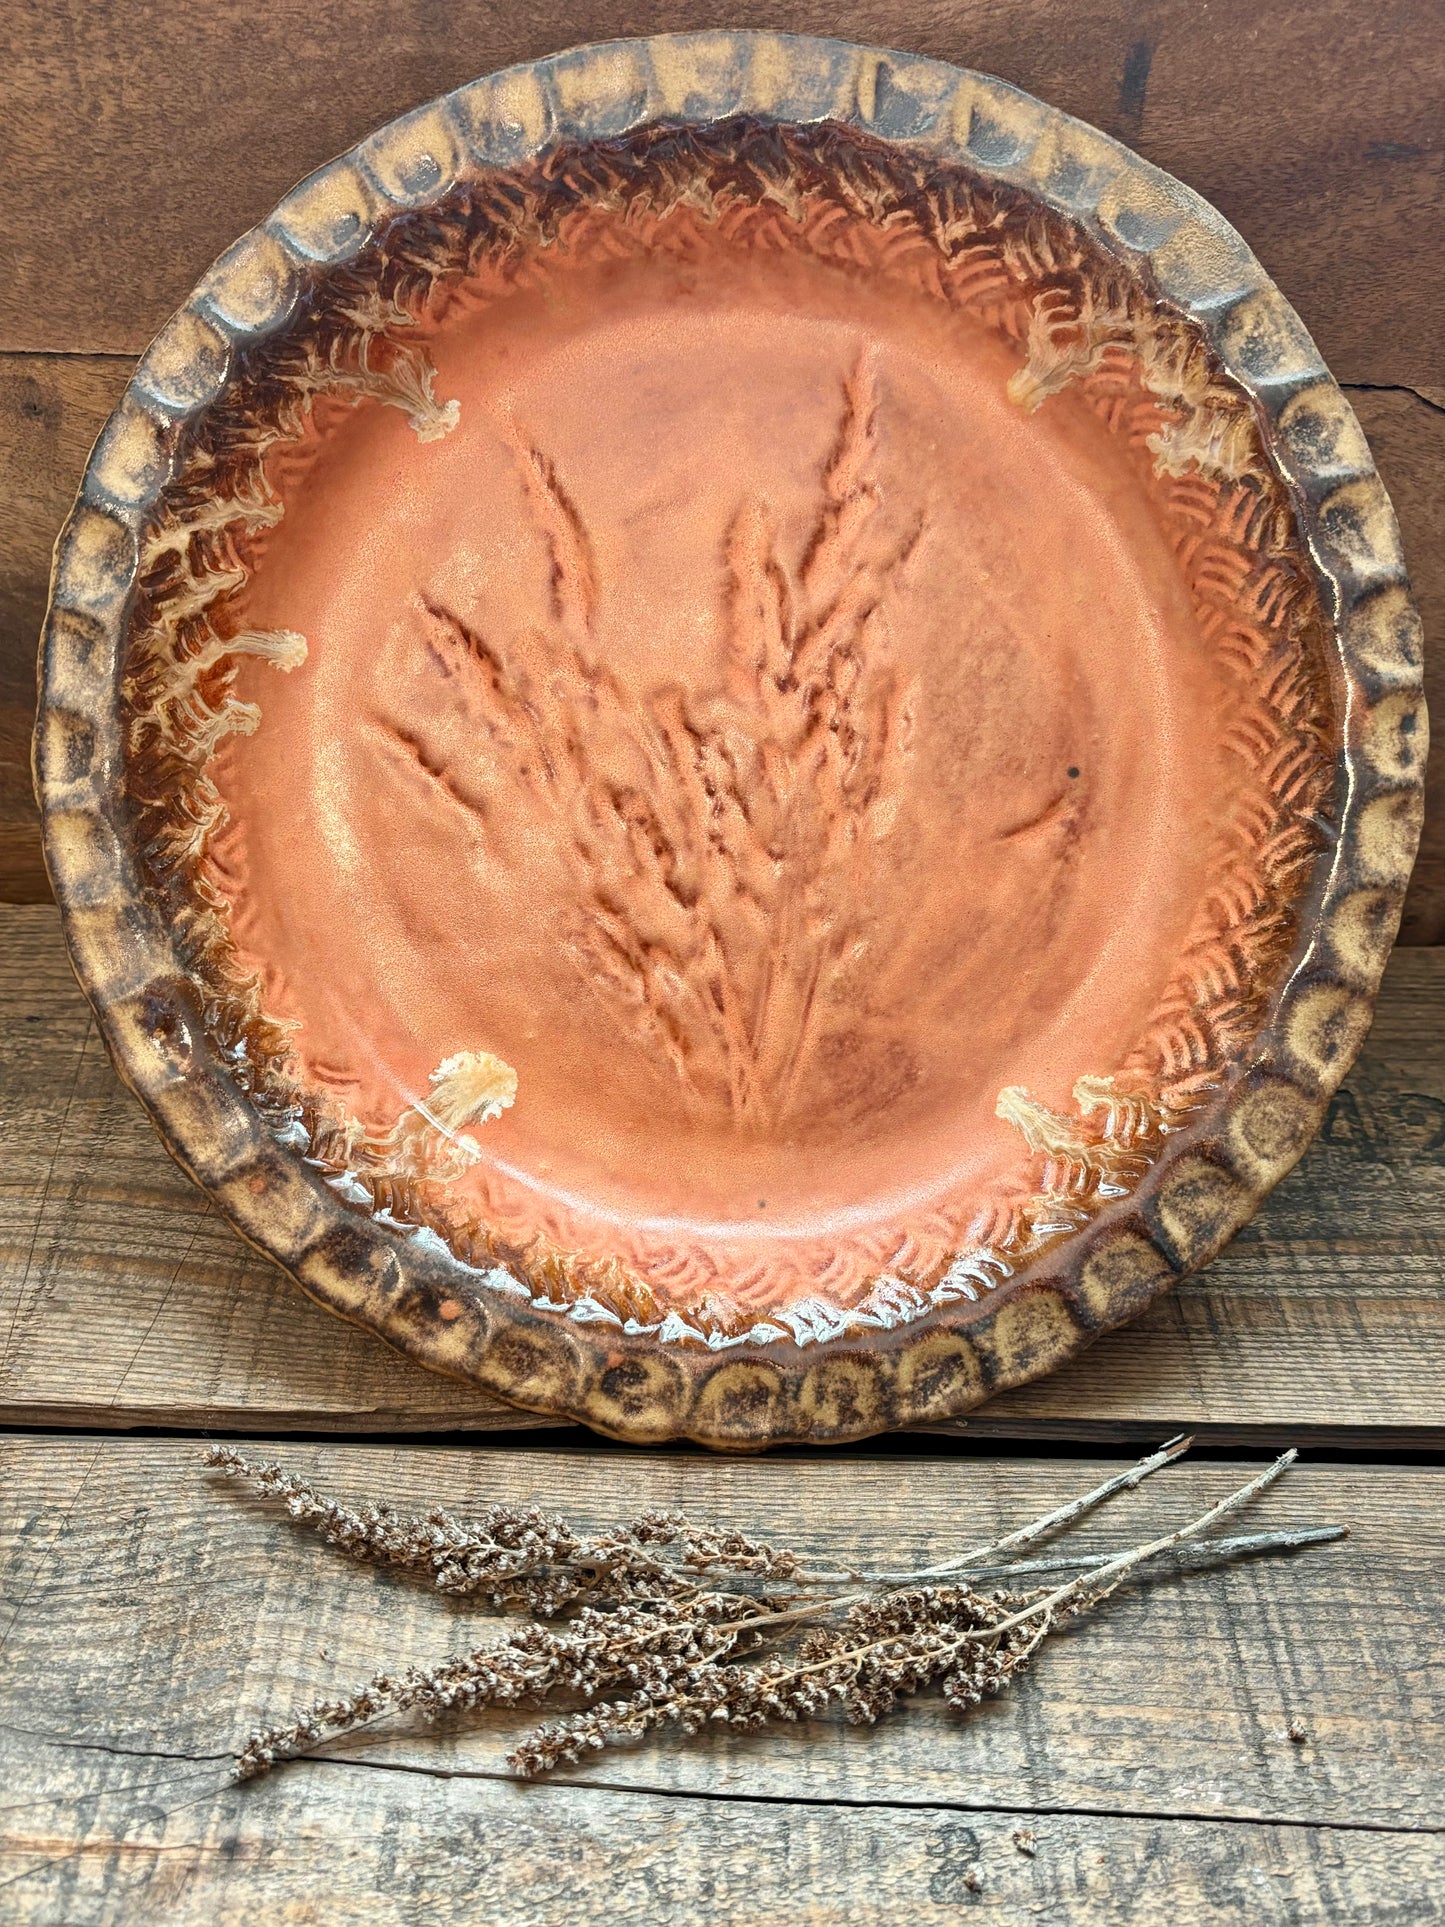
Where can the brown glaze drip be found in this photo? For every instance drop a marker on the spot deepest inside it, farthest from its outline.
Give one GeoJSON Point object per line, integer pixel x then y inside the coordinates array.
{"type": "Point", "coordinates": [821, 772]}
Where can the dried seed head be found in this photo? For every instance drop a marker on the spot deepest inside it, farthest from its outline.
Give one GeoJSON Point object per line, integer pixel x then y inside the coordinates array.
{"type": "Point", "coordinates": [646, 1646]}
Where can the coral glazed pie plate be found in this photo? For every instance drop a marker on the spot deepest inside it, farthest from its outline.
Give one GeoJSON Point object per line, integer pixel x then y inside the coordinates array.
{"type": "Point", "coordinates": [731, 734]}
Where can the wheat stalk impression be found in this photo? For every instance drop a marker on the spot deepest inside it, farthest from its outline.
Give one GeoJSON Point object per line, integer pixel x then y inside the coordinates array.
{"type": "Point", "coordinates": [645, 1638]}
{"type": "Point", "coordinates": [724, 842]}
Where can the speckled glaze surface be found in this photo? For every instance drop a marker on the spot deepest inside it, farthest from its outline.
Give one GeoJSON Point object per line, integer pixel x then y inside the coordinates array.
{"type": "Point", "coordinates": [1132, 1183]}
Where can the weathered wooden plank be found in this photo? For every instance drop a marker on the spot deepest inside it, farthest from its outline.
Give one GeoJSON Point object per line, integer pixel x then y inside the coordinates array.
{"type": "Point", "coordinates": [52, 407]}
{"type": "Point", "coordinates": [340, 1844]}
{"type": "Point", "coordinates": [1330, 166]}
{"type": "Point", "coordinates": [159, 1617]}
{"type": "Point", "coordinates": [105, 1243]}
{"type": "Point", "coordinates": [125, 1301]}
{"type": "Point", "coordinates": [51, 410]}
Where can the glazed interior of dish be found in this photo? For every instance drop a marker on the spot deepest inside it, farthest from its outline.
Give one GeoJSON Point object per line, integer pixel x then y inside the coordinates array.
{"type": "Point", "coordinates": [734, 729]}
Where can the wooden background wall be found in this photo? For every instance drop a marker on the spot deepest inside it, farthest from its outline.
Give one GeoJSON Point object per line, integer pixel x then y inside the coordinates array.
{"type": "Point", "coordinates": [136, 145]}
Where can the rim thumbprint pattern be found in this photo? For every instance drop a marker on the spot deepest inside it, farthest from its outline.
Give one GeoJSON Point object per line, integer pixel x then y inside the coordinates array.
{"type": "Point", "coordinates": [917, 318]}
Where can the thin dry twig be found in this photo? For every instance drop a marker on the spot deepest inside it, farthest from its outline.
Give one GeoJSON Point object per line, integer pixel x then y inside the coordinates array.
{"type": "Point", "coordinates": [1099, 1584]}
{"type": "Point", "coordinates": [1290, 1539]}
{"type": "Point", "coordinates": [1059, 1520]}
{"type": "Point", "coordinates": [637, 1614]}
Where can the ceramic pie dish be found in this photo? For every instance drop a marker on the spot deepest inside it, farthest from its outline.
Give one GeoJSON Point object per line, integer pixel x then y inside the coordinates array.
{"type": "Point", "coordinates": [731, 734]}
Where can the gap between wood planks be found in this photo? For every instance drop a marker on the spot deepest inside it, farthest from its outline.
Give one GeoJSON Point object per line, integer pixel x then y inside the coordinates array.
{"type": "Point", "coordinates": [1221, 1444]}
{"type": "Point", "coordinates": [1045, 1438]}
{"type": "Point", "coordinates": [1322, 1325]}
{"type": "Point", "coordinates": [1394, 388]}
{"type": "Point", "coordinates": [336, 1758]}
{"type": "Point", "coordinates": [1176, 1700]}
{"type": "Point", "coordinates": [704, 1796]}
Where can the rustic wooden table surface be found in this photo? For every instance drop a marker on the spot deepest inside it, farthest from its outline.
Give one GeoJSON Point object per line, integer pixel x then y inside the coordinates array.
{"type": "Point", "coordinates": [146, 1623]}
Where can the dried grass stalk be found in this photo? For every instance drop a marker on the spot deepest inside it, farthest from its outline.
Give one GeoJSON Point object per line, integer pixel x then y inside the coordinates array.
{"type": "Point", "coordinates": [646, 1641]}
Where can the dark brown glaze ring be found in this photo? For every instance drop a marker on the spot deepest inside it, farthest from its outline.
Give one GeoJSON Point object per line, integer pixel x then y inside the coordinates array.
{"type": "Point", "coordinates": [731, 734]}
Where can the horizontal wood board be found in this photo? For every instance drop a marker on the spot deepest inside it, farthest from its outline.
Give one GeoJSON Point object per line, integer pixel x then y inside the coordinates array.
{"type": "Point", "coordinates": [147, 1618]}
{"type": "Point", "coordinates": [158, 1614]}
{"type": "Point", "coordinates": [125, 1300]}
{"type": "Point", "coordinates": [1316, 130]}
{"type": "Point", "coordinates": [1332, 168]}
{"type": "Point", "coordinates": [339, 1844]}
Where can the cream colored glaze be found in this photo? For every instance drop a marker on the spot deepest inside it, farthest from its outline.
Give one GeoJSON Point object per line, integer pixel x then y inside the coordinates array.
{"type": "Point", "coordinates": [408, 883]}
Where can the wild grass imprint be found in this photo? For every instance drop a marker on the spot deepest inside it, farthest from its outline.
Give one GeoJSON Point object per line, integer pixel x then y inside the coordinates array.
{"type": "Point", "coordinates": [724, 853]}
{"type": "Point", "coordinates": [723, 840]}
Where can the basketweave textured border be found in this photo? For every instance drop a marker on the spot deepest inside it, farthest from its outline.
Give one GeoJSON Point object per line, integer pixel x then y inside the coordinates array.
{"type": "Point", "coordinates": [407, 1286]}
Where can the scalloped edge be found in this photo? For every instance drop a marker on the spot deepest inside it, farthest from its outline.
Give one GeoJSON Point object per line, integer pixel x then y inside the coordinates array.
{"type": "Point", "coordinates": [408, 1287]}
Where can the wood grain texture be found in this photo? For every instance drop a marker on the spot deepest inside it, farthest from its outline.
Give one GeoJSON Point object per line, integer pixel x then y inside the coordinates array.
{"type": "Point", "coordinates": [184, 1312]}
{"type": "Point", "coordinates": [148, 1620]}
{"type": "Point", "coordinates": [342, 1844]}
{"type": "Point", "coordinates": [1330, 167]}
{"type": "Point", "coordinates": [52, 407]}
{"type": "Point", "coordinates": [158, 1617]}
{"type": "Point", "coordinates": [1329, 164]}
{"type": "Point", "coordinates": [125, 1301]}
